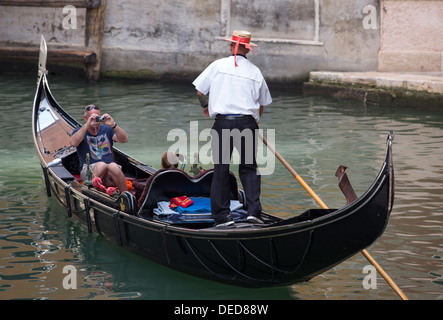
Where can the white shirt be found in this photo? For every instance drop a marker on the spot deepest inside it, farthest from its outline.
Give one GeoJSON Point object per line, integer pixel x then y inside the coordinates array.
{"type": "Point", "coordinates": [233, 90]}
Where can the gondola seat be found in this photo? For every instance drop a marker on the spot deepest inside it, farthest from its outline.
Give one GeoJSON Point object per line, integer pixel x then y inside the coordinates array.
{"type": "Point", "coordinates": [166, 184]}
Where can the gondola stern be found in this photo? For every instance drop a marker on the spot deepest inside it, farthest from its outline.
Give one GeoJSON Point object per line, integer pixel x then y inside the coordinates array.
{"type": "Point", "coordinates": [385, 175]}
{"type": "Point", "coordinates": [391, 170]}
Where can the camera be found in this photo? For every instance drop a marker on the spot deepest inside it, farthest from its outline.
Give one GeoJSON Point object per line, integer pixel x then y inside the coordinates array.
{"type": "Point", "coordinates": [100, 119]}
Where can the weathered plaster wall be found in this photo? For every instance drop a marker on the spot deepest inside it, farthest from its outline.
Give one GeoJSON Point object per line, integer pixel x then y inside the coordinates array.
{"type": "Point", "coordinates": [411, 38]}
{"type": "Point", "coordinates": [23, 26]}
{"type": "Point", "coordinates": [179, 38]}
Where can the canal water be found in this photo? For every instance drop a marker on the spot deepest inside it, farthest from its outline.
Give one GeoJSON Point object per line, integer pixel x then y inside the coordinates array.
{"type": "Point", "coordinates": [38, 243]}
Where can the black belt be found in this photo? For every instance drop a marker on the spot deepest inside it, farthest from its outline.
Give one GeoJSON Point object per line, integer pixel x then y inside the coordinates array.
{"type": "Point", "coordinates": [233, 117]}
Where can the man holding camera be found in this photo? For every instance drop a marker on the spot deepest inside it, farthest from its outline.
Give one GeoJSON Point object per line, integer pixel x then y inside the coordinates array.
{"type": "Point", "coordinates": [97, 139]}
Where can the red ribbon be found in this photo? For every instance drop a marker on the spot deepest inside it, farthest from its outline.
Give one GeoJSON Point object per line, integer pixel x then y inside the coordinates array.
{"type": "Point", "coordinates": [238, 40]}
{"type": "Point", "coordinates": [235, 54]}
{"type": "Point", "coordinates": [244, 41]}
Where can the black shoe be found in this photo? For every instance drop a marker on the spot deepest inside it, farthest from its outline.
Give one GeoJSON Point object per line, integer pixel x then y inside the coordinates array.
{"type": "Point", "coordinates": [254, 219]}
{"type": "Point", "coordinates": [227, 222]}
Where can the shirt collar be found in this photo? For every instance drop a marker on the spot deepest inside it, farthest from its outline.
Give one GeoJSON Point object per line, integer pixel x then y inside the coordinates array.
{"type": "Point", "coordinates": [241, 55]}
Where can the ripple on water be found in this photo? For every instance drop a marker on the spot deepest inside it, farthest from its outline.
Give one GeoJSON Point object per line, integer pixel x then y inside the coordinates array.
{"type": "Point", "coordinates": [314, 134]}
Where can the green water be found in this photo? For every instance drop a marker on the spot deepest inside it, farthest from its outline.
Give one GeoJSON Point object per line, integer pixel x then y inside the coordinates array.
{"type": "Point", "coordinates": [314, 134]}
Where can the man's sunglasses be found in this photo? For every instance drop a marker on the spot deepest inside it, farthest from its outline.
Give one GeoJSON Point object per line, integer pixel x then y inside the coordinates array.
{"type": "Point", "coordinates": [90, 107]}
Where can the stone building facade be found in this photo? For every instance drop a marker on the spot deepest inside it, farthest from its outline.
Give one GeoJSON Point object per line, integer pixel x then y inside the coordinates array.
{"type": "Point", "coordinates": [177, 39]}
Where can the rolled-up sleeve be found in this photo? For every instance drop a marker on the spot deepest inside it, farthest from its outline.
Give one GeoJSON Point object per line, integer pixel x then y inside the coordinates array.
{"type": "Point", "coordinates": [203, 82]}
{"type": "Point", "coordinates": [265, 96]}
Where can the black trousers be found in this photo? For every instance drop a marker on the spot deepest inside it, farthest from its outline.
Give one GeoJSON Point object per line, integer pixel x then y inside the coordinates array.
{"type": "Point", "coordinates": [225, 135]}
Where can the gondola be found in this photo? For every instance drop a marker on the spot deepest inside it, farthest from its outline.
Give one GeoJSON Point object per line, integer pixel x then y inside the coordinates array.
{"type": "Point", "coordinates": [279, 252]}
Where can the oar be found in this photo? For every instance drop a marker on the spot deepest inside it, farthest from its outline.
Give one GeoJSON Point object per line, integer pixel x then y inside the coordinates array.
{"type": "Point", "coordinates": [323, 205]}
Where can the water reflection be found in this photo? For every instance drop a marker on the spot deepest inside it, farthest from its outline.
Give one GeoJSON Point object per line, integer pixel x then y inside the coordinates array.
{"type": "Point", "coordinates": [314, 134]}
{"type": "Point", "coordinates": [35, 248]}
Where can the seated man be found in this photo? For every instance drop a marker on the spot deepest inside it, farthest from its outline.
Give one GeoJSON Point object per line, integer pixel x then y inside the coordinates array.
{"type": "Point", "coordinates": [97, 140]}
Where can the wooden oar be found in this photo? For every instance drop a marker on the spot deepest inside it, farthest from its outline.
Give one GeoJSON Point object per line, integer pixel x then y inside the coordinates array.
{"type": "Point", "coordinates": [323, 205]}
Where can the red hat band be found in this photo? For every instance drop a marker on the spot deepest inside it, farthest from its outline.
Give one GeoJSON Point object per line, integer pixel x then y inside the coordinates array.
{"type": "Point", "coordinates": [245, 41]}
{"type": "Point", "coordinates": [241, 37]}
{"type": "Point", "coordinates": [240, 40]}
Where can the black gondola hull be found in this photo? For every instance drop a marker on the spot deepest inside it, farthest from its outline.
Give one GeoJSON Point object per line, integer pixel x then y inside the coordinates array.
{"type": "Point", "coordinates": [281, 252]}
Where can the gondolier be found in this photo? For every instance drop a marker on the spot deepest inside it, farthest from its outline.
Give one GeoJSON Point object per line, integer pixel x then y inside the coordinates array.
{"type": "Point", "coordinates": [237, 94]}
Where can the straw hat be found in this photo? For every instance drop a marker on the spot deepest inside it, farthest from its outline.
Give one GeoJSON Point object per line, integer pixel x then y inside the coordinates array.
{"type": "Point", "coordinates": [241, 37]}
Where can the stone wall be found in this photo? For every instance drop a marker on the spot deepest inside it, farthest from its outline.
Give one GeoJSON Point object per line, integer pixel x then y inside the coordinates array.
{"type": "Point", "coordinates": [411, 36]}
{"type": "Point", "coordinates": [178, 38]}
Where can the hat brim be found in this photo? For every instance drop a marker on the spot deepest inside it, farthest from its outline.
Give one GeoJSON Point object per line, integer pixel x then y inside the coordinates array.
{"type": "Point", "coordinates": [245, 44]}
